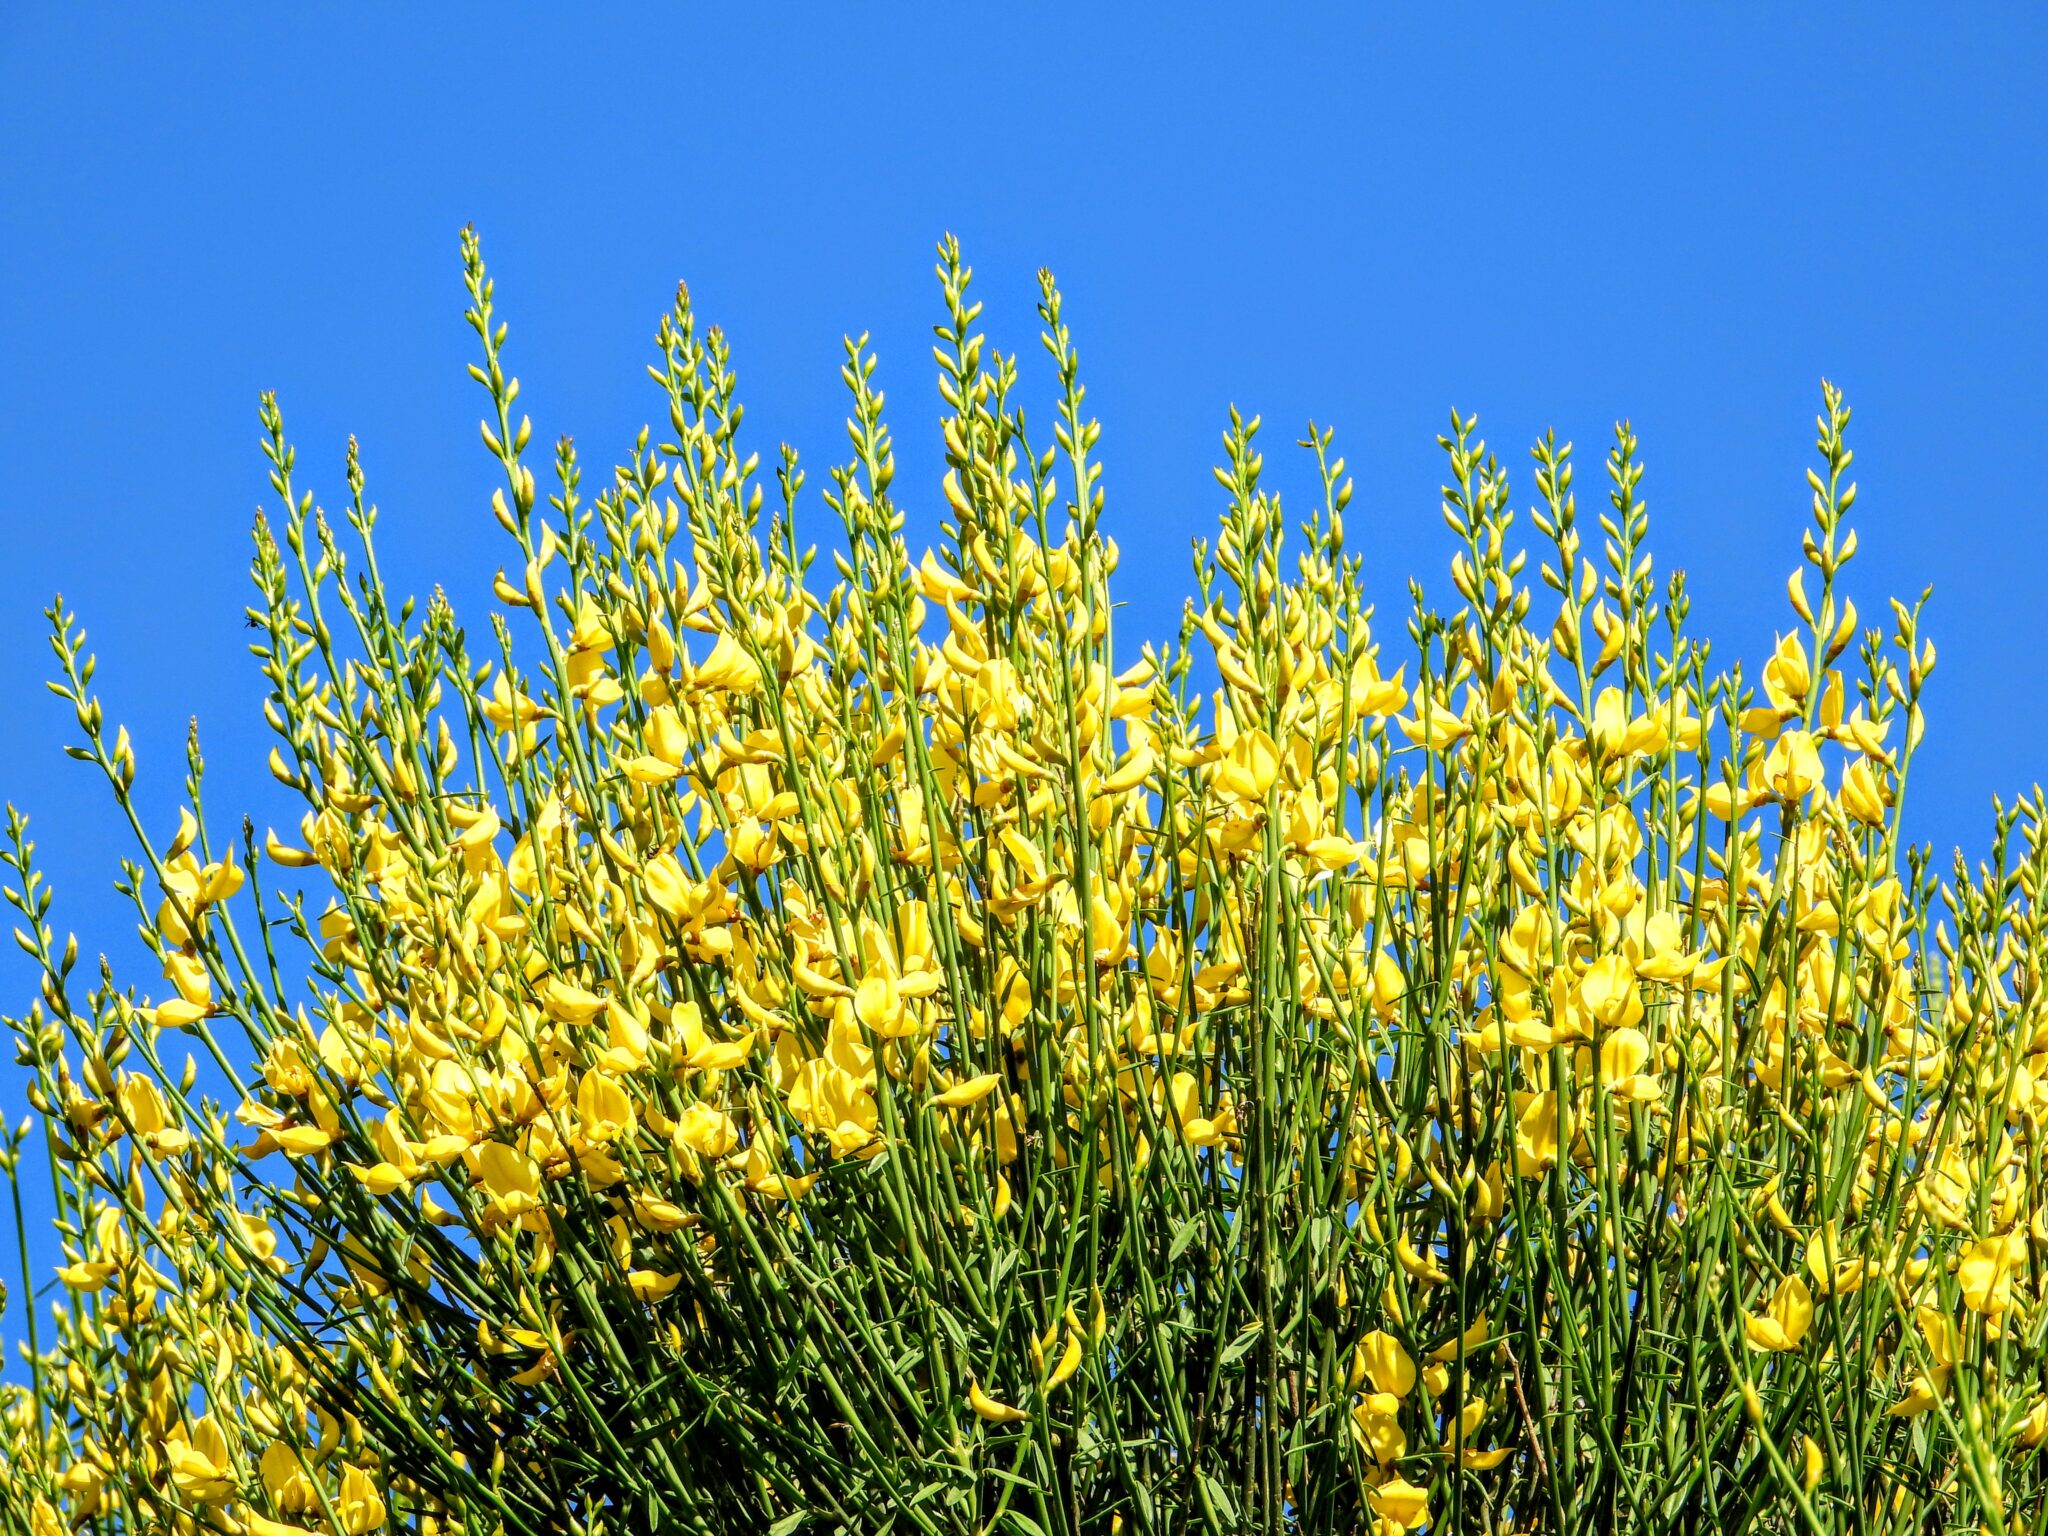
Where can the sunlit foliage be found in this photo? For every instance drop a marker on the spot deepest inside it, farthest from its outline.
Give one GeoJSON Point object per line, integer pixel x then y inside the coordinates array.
{"type": "Point", "coordinates": [739, 1045]}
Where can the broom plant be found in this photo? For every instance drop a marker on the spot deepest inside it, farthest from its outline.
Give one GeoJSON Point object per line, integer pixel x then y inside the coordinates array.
{"type": "Point", "coordinates": [735, 1045]}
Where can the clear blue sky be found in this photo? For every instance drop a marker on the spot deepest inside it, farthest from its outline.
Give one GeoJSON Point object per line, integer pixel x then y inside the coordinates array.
{"type": "Point", "coordinates": [1687, 222]}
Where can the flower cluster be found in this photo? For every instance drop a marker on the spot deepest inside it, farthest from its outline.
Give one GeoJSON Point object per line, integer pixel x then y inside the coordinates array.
{"type": "Point", "coordinates": [886, 1055]}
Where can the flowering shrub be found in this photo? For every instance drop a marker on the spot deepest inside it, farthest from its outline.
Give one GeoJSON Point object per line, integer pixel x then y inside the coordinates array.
{"type": "Point", "coordinates": [878, 1051]}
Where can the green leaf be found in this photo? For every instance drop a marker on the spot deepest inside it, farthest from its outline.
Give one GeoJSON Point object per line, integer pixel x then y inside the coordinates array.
{"type": "Point", "coordinates": [1220, 1496]}
{"type": "Point", "coordinates": [1235, 1350]}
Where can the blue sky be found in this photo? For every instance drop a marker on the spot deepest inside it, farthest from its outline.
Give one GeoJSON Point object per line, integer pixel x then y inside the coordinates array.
{"type": "Point", "coordinates": [1556, 222]}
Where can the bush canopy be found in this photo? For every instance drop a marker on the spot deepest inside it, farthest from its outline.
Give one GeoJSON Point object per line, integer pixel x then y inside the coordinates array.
{"type": "Point", "coordinates": [739, 1046]}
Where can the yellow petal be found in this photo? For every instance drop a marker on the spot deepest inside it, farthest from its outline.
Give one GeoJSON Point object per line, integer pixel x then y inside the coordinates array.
{"type": "Point", "coordinates": [973, 1091]}
{"type": "Point", "coordinates": [991, 1410]}
{"type": "Point", "coordinates": [569, 1003]}
{"type": "Point", "coordinates": [648, 1285]}
{"type": "Point", "coordinates": [1386, 1364]}
{"type": "Point", "coordinates": [1069, 1362]}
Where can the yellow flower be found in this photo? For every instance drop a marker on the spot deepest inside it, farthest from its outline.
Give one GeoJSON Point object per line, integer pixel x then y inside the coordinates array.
{"type": "Point", "coordinates": [831, 1102]}
{"type": "Point", "coordinates": [284, 1479]}
{"type": "Point", "coordinates": [1380, 1359]}
{"type": "Point", "coordinates": [1610, 993]}
{"type": "Point", "coordinates": [1986, 1272]}
{"type": "Point", "coordinates": [728, 668]}
{"type": "Point", "coordinates": [878, 1003]}
{"type": "Point", "coordinates": [1400, 1505]}
{"type": "Point", "coordinates": [1068, 1363]}
{"type": "Point", "coordinates": [972, 1091]}
{"type": "Point", "coordinates": [1783, 1323]}
{"type": "Point", "coordinates": [1787, 677]}
{"type": "Point", "coordinates": [359, 1505]}
{"type": "Point", "coordinates": [1623, 1054]}
{"type": "Point", "coordinates": [650, 1285]}
{"type": "Point", "coordinates": [991, 1410]}
{"type": "Point", "coordinates": [1943, 1344]}
{"type": "Point", "coordinates": [1196, 1127]}
{"type": "Point", "coordinates": [1536, 1133]}
{"type": "Point", "coordinates": [200, 1466]}
{"type": "Point", "coordinates": [1249, 768]}
{"type": "Point", "coordinates": [707, 1130]}
{"type": "Point", "coordinates": [510, 1178]}
{"type": "Point", "coordinates": [1845, 1275]}
{"type": "Point", "coordinates": [1376, 1425]}
{"type": "Point", "coordinates": [2033, 1426]}
{"type": "Point", "coordinates": [604, 1108]}
{"type": "Point", "coordinates": [1864, 793]}
{"type": "Point", "coordinates": [569, 1003]}
{"type": "Point", "coordinates": [1793, 767]}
